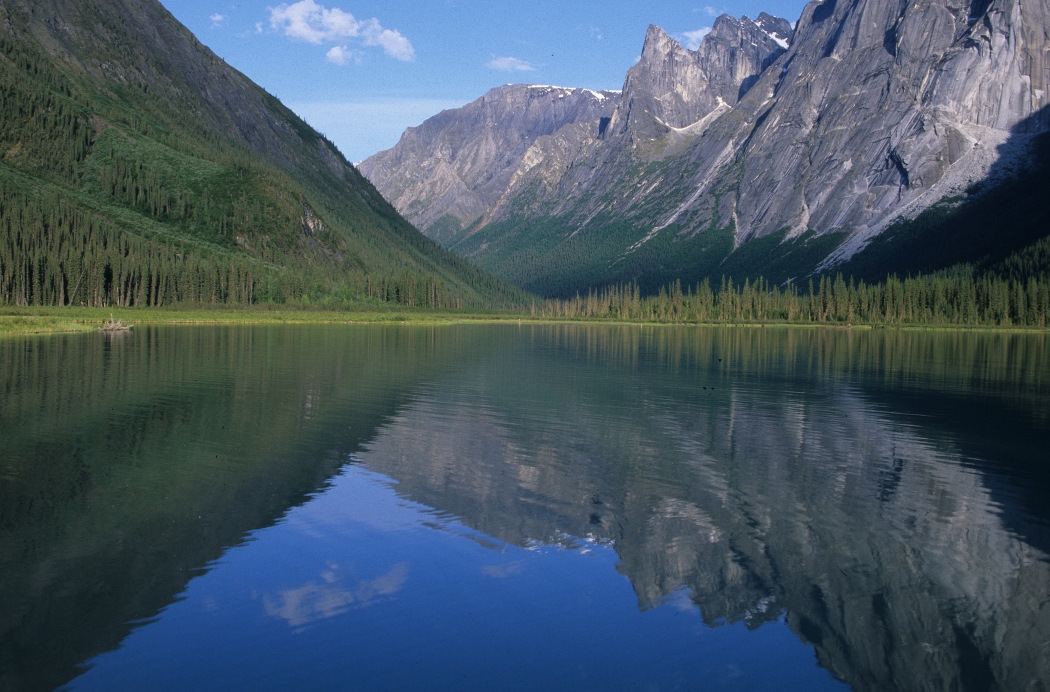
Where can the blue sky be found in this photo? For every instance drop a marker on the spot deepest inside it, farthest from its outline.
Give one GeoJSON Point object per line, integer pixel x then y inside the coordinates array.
{"type": "Point", "coordinates": [361, 71]}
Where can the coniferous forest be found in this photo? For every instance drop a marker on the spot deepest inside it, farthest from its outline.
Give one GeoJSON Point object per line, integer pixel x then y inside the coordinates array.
{"type": "Point", "coordinates": [121, 184]}
{"type": "Point", "coordinates": [923, 300]}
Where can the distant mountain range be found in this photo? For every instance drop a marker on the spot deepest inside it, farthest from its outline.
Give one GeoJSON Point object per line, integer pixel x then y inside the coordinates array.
{"type": "Point", "coordinates": [138, 168]}
{"type": "Point", "coordinates": [875, 136]}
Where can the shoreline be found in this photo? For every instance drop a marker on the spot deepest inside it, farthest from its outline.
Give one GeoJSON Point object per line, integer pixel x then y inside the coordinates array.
{"type": "Point", "coordinates": [27, 321]}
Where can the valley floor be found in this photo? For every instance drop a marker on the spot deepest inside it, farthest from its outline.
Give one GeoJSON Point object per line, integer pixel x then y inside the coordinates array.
{"type": "Point", "coordinates": [15, 320]}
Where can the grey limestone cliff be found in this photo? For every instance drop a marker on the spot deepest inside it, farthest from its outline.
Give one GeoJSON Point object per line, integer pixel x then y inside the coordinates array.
{"type": "Point", "coordinates": [876, 108]}
{"type": "Point", "coordinates": [672, 88]}
{"type": "Point", "coordinates": [864, 113]}
{"type": "Point", "coordinates": [457, 165]}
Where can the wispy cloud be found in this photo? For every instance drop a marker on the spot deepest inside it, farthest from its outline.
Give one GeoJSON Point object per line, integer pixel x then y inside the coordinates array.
{"type": "Point", "coordinates": [313, 602]}
{"type": "Point", "coordinates": [307, 21]}
{"type": "Point", "coordinates": [712, 11]}
{"type": "Point", "coordinates": [509, 64]}
{"type": "Point", "coordinates": [340, 55]}
{"type": "Point", "coordinates": [692, 39]}
{"type": "Point", "coordinates": [217, 20]}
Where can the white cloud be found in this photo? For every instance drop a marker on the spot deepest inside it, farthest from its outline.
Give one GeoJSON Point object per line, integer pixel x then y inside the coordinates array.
{"type": "Point", "coordinates": [692, 39]}
{"type": "Point", "coordinates": [216, 19]}
{"type": "Point", "coordinates": [711, 11]}
{"type": "Point", "coordinates": [509, 64]}
{"type": "Point", "coordinates": [313, 602]}
{"type": "Point", "coordinates": [394, 44]}
{"type": "Point", "coordinates": [307, 21]}
{"type": "Point", "coordinates": [338, 55]}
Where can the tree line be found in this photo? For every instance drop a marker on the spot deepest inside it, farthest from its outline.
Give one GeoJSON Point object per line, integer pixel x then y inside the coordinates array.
{"type": "Point", "coordinates": [928, 300]}
{"type": "Point", "coordinates": [54, 252]}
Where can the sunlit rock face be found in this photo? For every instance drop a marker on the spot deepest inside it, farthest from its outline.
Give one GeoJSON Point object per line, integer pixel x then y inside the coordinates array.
{"type": "Point", "coordinates": [457, 165]}
{"type": "Point", "coordinates": [875, 103]}
{"type": "Point", "coordinates": [864, 113]}
{"type": "Point", "coordinates": [489, 159]}
{"type": "Point", "coordinates": [672, 88]}
{"type": "Point", "coordinates": [874, 110]}
{"type": "Point", "coordinates": [880, 545]}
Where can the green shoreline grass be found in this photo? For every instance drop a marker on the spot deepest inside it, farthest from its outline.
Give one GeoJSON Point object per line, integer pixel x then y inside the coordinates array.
{"type": "Point", "coordinates": [45, 320]}
{"type": "Point", "coordinates": [55, 320]}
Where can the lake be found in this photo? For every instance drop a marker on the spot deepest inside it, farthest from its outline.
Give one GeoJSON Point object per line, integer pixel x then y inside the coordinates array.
{"type": "Point", "coordinates": [523, 507]}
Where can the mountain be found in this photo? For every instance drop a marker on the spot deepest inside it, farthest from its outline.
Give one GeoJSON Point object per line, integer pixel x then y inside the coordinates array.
{"type": "Point", "coordinates": [674, 90]}
{"type": "Point", "coordinates": [453, 170]}
{"type": "Point", "coordinates": [138, 168]}
{"type": "Point", "coordinates": [778, 151]}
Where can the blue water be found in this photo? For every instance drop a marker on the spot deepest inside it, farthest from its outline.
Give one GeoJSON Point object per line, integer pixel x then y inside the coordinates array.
{"type": "Point", "coordinates": [360, 589]}
{"type": "Point", "coordinates": [536, 507]}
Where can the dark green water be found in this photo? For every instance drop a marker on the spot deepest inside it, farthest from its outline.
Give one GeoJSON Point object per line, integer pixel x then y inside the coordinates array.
{"type": "Point", "coordinates": [534, 507]}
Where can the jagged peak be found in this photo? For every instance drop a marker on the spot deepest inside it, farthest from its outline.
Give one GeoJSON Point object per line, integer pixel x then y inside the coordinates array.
{"type": "Point", "coordinates": [656, 33]}
{"type": "Point", "coordinates": [729, 19]}
{"type": "Point", "coordinates": [777, 28]}
{"type": "Point", "coordinates": [599, 94]}
{"type": "Point", "coordinates": [658, 43]}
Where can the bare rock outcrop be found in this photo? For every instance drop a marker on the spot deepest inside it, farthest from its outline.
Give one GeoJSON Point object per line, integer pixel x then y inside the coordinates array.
{"type": "Point", "coordinates": [866, 112]}
{"type": "Point", "coordinates": [672, 88]}
{"type": "Point", "coordinates": [457, 165]}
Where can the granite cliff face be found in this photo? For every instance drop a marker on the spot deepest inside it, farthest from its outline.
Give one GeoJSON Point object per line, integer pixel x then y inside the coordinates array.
{"type": "Point", "coordinates": [867, 112]}
{"type": "Point", "coordinates": [672, 88]}
{"type": "Point", "coordinates": [452, 170]}
{"type": "Point", "coordinates": [877, 109]}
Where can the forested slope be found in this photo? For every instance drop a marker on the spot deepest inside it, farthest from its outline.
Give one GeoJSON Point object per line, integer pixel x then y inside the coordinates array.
{"type": "Point", "coordinates": [138, 168]}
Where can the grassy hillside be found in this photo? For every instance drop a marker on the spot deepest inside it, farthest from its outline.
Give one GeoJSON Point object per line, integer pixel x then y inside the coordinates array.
{"type": "Point", "coordinates": [137, 168]}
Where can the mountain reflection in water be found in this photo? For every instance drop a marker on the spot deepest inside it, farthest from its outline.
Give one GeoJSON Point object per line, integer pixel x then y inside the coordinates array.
{"type": "Point", "coordinates": [879, 495]}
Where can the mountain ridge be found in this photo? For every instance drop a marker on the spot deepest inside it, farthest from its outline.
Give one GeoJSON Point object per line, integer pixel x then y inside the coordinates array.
{"type": "Point", "coordinates": [874, 112]}
{"type": "Point", "coordinates": [214, 191]}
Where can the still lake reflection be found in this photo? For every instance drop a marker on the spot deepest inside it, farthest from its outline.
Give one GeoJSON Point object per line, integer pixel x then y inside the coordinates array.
{"type": "Point", "coordinates": [524, 507]}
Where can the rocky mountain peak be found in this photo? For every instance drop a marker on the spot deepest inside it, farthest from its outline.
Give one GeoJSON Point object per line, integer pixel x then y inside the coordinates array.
{"type": "Point", "coordinates": [866, 112]}
{"type": "Point", "coordinates": [657, 45]}
{"type": "Point", "coordinates": [777, 28]}
{"type": "Point", "coordinates": [458, 164]}
{"type": "Point", "coordinates": [896, 105]}
{"type": "Point", "coordinates": [673, 88]}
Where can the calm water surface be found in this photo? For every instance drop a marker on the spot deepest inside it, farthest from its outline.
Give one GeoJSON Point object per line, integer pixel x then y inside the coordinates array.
{"type": "Point", "coordinates": [533, 507]}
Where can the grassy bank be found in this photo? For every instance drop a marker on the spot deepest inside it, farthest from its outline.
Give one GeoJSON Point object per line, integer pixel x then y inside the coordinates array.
{"type": "Point", "coordinates": [44, 320]}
